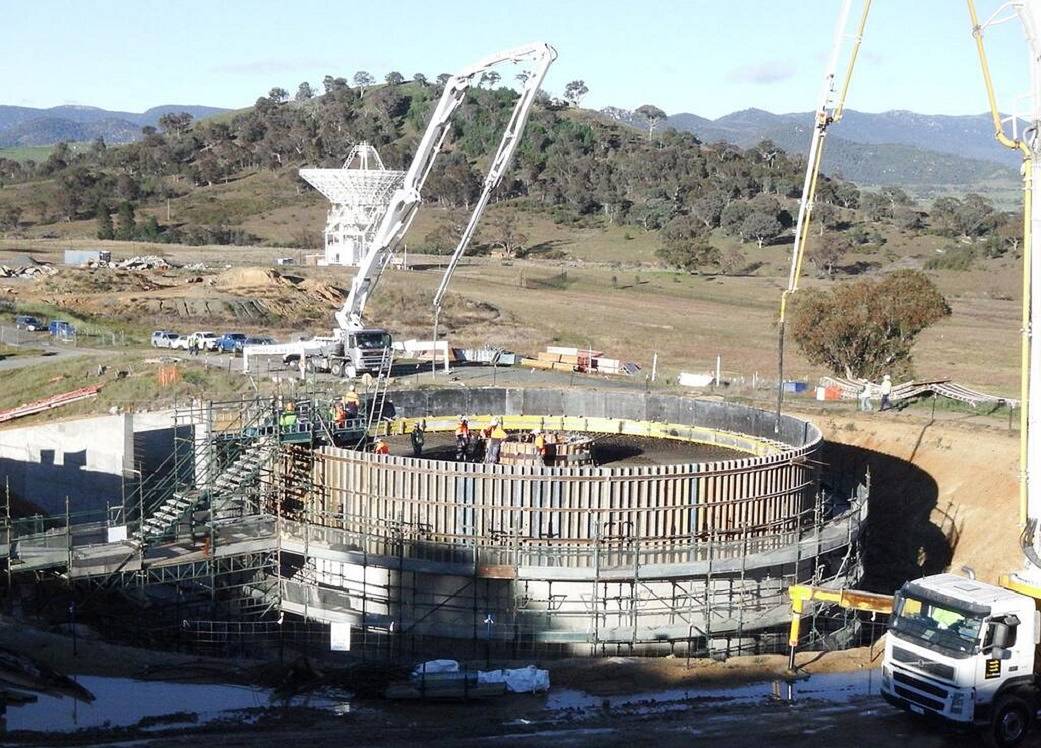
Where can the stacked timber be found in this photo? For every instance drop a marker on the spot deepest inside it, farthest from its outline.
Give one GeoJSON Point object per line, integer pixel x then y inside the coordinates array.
{"type": "Point", "coordinates": [564, 358]}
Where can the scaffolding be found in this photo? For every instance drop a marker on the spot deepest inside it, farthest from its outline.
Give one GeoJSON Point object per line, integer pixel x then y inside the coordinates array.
{"type": "Point", "coordinates": [246, 519]}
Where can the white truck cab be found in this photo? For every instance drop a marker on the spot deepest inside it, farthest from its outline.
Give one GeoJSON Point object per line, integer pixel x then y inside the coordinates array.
{"type": "Point", "coordinates": [963, 651]}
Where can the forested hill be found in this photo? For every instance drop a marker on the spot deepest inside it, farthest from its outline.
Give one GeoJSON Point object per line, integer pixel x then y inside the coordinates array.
{"type": "Point", "coordinates": [573, 165]}
{"type": "Point", "coordinates": [29, 126]}
{"type": "Point", "coordinates": [570, 161]}
{"type": "Point", "coordinates": [898, 147]}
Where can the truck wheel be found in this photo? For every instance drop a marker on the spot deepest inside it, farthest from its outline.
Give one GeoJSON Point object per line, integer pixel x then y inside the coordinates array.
{"type": "Point", "coordinates": [309, 365]}
{"type": "Point", "coordinates": [337, 368]}
{"type": "Point", "coordinates": [1011, 722]}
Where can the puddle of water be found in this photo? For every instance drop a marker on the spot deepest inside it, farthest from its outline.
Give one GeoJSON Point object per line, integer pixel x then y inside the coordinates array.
{"type": "Point", "coordinates": [120, 702]}
{"type": "Point", "coordinates": [833, 687]}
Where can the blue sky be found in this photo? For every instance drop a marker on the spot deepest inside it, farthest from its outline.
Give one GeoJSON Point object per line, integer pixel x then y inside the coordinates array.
{"type": "Point", "coordinates": [709, 57]}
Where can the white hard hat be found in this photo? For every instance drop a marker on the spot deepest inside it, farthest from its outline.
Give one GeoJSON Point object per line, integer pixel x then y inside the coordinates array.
{"type": "Point", "coordinates": [886, 376]}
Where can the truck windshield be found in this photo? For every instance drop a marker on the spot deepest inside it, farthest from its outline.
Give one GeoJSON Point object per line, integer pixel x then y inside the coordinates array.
{"type": "Point", "coordinates": [371, 340]}
{"type": "Point", "coordinates": [940, 626]}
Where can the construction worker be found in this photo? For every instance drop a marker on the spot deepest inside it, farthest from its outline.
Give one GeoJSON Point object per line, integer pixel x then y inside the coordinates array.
{"type": "Point", "coordinates": [351, 402]}
{"type": "Point", "coordinates": [381, 447]}
{"type": "Point", "coordinates": [886, 389]}
{"type": "Point", "coordinates": [864, 398]}
{"type": "Point", "coordinates": [462, 439]}
{"type": "Point", "coordinates": [287, 421]}
{"type": "Point", "coordinates": [418, 437]}
{"type": "Point", "coordinates": [496, 436]}
{"type": "Point", "coordinates": [540, 446]}
{"type": "Point", "coordinates": [339, 415]}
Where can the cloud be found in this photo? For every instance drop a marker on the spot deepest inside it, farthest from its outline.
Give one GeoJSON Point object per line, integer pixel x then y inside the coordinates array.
{"type": "Point", "coordinates": [271, 66]}
{"type": "Point", "coordinates": [761, 73]}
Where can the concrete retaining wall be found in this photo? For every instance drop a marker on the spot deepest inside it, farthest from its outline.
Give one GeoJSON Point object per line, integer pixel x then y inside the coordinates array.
{"type": "Point", "coordinates": [83, 459]}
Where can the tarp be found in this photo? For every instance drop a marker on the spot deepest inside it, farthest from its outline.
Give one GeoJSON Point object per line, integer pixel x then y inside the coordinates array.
{"type": "Point", "coordinates": [518, 680]}
{"type": "Point", "coordinates": [435, 666]}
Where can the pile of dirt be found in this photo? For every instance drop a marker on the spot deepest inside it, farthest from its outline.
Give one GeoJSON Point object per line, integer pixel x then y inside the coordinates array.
{"type": "Point", "coordinates": [99, 281]}
{"type": "Point", "coordinates": [250, 278]}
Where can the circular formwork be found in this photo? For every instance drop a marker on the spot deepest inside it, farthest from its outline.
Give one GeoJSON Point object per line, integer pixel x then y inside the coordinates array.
{"type": "Point", "coordinates": [641, 557]}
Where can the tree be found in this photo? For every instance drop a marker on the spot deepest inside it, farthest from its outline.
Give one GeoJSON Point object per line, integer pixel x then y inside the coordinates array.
{"type": "Point", "coordinates": [443, 78]}
{"type": "Point", "coordinates": [976, 216]}
{"type": "Point", "coordinates": [176, 123]}
{"type": "Point", "coordinates": [504, 233]}
{"type": "Point", "coordinates": [278, 95]}
{"type": "Point", "coordinates": [685, 245]}
{"type": "Point", "coordinates": [762, 227]}
{"type": "Point", "coordinates": [733, 216]}
{"type": "Point", "coordinates": [875, 206]}
{"type": "Point", "coordinates": [709, 209]}
{"type": "Point", "coordinates": [105, 228]}
{"type": "Point", "coordinates": [826, 253]}
{"type": "Point", "coordinates": [126, 226]}
{"type": "Point", "coordinates": [867, 328]}
{"type": "Point", "coordinates": [420, 79]}
{"type": "Point", "coordinates": [304, 92]}
{"type": "Point", "coordinates": [490, 78]}
{"type": "Point", "coordinates": [523, 76]}
{"type": "Point", "coordinates": [653, 115]}
{"type": "Point", "coordinates": [332, 85]}
{"type": "Point", "coordinates": [10, 217]}
{"type": "Point", "coordinates": [363, 79]}
{"type": "Point", "coordinates": [394, 78]}
{"type": "Point", "coordinates": [149, 230]}
{"type": "Point", "coordinates": [732, 261]}
{"type": "Point", "coordinates": [908, 219]}
{"type": "Point", "coordinates": [575, 91]}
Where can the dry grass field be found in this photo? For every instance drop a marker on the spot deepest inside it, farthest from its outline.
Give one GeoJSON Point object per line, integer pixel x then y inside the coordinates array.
{"type": "Point", "coordinates": [604, 289]}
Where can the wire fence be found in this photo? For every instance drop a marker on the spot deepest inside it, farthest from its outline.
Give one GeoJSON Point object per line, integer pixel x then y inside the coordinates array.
{"type": "Point", "coordinates": [288, 639]}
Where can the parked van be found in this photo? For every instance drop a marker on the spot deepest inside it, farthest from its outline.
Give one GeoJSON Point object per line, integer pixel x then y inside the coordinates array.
{"type": "Point", "coordinates": [29, 322]}
{"type": "Point", "coordinates": [61, 329]}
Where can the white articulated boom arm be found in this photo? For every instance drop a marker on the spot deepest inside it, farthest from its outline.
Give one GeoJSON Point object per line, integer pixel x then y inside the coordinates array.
{"type": "Point", "coordinates": [830, 108]}
{"type": "Point", "coordinates": [543, 56]}
{"type": "Point", "coordinates": [405, 201]}
{"type": "Point", "coordinates": [1028, 143]}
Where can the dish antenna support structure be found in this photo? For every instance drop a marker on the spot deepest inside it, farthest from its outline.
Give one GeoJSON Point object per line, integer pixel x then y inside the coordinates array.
{"type": "Point", "coordinates": [359, 193]}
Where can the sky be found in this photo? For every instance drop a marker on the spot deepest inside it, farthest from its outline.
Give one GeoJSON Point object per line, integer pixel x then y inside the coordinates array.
{"type": "Point", "coordinates": [709, 57]}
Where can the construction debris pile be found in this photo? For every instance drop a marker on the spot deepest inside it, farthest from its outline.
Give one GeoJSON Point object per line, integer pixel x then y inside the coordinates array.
{"type": "Point", "coordinates": [143, 262]}
{"type": "Point", "coordinates": [563, 358]}
{"type": "Point", "coordinates": [27, 271]}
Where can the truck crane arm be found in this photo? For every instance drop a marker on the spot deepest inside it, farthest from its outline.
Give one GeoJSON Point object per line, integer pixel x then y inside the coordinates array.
{"type": "Point", "coordinates": [406, 200]}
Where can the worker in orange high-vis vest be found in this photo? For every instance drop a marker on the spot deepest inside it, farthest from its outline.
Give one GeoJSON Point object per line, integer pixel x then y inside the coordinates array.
{"type": "Point", "coordinates": [540, 445]}
{"type": "Point", "coordinates": [462, 439]}
{"type": "Point", "coordinates": [493, 442]}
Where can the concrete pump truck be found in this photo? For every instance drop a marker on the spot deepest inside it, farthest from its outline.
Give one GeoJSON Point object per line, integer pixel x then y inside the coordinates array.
{"type": "Point", "coordinates": [958, 649]}
{"type": "Point", "coordinates": [354, 347]}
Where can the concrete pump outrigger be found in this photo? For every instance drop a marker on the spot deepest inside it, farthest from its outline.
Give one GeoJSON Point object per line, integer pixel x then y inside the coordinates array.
{"type": "Point", "coordinates": [354, 348]}
{"type": "Point", "coordinates": [959, 649]}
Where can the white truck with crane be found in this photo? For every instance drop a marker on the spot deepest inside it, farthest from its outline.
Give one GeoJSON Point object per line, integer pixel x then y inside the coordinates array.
{"type": "Point", "coordinates": [355, 348]}
{"type": "Point", "coordinates": [958, 649]}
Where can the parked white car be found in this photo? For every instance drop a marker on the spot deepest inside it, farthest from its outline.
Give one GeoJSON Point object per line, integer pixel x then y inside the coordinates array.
{"type": "Point", "coordinates": [207, 341]}
{"type": "Point", "coordinates": [181, 341]}
{"type": "Point", "coordinates": [164, 339]}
